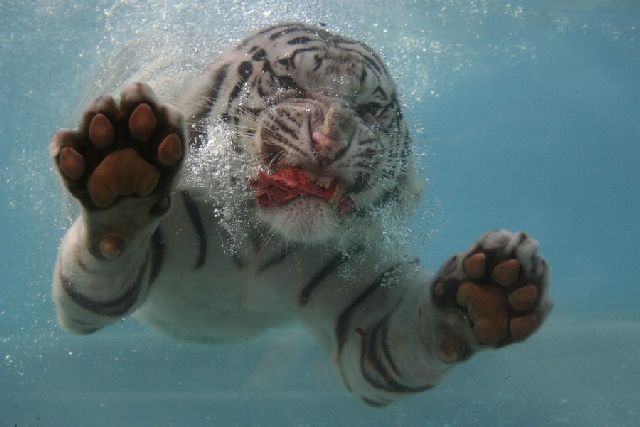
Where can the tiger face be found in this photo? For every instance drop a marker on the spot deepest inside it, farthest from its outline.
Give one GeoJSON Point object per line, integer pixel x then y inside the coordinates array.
{"type": "Point", "coordinates": [334, 163]}
{"type": "Point", "coordinates": [320, 116]}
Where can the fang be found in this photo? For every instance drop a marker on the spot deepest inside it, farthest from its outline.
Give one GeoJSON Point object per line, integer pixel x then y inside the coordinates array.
{"type": "Point", "coordinates": [324, 182]}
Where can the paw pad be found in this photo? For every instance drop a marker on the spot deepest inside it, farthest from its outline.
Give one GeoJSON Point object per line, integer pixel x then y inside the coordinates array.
{"type": "Point", "coordinates": [101, 131]}
{"type": "Point", "coordinates": [523, 298]}
{"type": "Point", "coordinates": [121, 173]}
{"type": "Point", "coordinates": [111, 245]}
{"type": "Point", "coordinates": [131, 148]}
{"type": "Point", "coordinates": [487, 311]}
{"type": "Point", "coordinates": [500, 293]}
{"type": "Point", "coordinates": [170, 150]}
{"type": "Point", "coordinates": [474, 265]}
{"type": "Point", "coordinates": [71, 163]}
{"type": "Point", "coordinates": [507, 272]}
{"type": "Point", "coordinates": [142, 122]}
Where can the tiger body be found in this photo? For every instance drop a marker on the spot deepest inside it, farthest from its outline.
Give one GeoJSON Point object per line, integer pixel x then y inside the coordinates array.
{"type": "Point", "coordinates": [324, 109]}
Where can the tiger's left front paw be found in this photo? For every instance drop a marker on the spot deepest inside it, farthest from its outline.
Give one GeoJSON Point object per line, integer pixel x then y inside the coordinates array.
{"type": "Point", "coordinates": [499, 285]}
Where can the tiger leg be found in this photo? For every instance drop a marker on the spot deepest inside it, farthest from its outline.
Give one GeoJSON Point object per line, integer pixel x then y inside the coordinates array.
{"type": "Point", "coordinates": [373, 327]}
{"type": "Point", "coordinates": [397, 340]}
{"type": "Point", "coordinates": [121, 165]}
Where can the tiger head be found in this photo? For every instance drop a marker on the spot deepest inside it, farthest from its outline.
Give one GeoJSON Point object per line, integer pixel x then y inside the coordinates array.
{"type": "Point", "coordinates": [320, 115]}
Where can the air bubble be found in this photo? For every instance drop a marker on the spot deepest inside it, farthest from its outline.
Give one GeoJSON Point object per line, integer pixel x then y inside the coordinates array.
{"type": "Point", "coordinates": [218, 173]}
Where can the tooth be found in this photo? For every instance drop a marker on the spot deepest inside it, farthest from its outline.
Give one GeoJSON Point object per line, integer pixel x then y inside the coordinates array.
{"type": "Point", "coordinates": [337, 194]}
{"type": "Point", "coordinates": [324, 181]}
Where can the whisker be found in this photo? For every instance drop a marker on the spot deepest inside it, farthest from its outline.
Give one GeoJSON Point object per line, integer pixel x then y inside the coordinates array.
{"type": "Point", "coordinates": [281, 153]}
{"type": "Point", "coordinates": [266, 243]}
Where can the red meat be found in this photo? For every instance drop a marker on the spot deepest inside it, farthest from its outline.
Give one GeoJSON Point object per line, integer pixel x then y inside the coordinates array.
{"type": "Point", "coordinates": [287, 184]}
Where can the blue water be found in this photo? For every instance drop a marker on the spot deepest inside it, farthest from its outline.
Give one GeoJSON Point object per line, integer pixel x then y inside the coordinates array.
{"type": "Point", "coordinates": [527, 114]}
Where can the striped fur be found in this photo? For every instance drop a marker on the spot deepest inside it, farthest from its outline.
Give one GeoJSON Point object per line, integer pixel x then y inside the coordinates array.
{"type": "Point", "coordinates": [365, 301]}
{"type": "Point", "coordinates": [278, 84]}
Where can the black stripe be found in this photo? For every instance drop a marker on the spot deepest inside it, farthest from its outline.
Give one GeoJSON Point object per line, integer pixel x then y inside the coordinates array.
{"type": "Point", "coordinates": [288, 83]}
{"type": "Point", "coordinates": [288, 30]}
{"type": "Point", "coordinates": [384, 332]}
{"type": "Point", "coordinates": [342, 325]}
{"type": "Point", "coordinates": [363, 75]}
{"type": "Point", "coordinates": [369, 60]}
{"type": "Point", "coordinates": [302, 50]}
{"type": "Point", "coordinates": [194, 215]}
{"type": "Point", "coordinates": [381, 91]}
{"type": "Point", "coordinates": [282, 82]}
{"type": "Point", "coordinates": [375, 403]}
{"type": "Point", "coordinates": [83, 266]}
{"type": "Point", "coordinates": [318, 60]}
{"type": "Point", "coordinates": [84, 323]}
{"type": "Point", "coordinates": [218, 80]}
{"type": "Point", "coordinates": [260, 55]}
{"type": "Point", "coordinates": [291, 27]}
{"type": "Point", "coordinates": [285, 62]}
{"type": "Point", "coordinates": [373, 55]}
{"type": "Point", "coordinates": [282, 126]}
{"type": "Point", "coordinates": [289, 116]}
{"type": "Point", "coordinates": [338, 155]}
{"type": "Point", "coordinates": [301, 40]}
{"type": "Point", "coordinates": [277, 258]}
{"type": "Point", "coordinates": [324, 272]}
{"type": "Point", "coordinates": [85, 328]}
{"type": "Point", "coordinates": [82, 330]}
{"type": "Point", "coordinates": [244, 70]}
{"type": "Point", "coordinates": [369, 353]}
{"type": "Point", "coordinates": [278, 140]}
{"type": "Point", "coordinates": [117, 307]}
{"type": "Point", "coordinates": [386, 108]}
{"type": "Point", "coordinates": [157, 249]}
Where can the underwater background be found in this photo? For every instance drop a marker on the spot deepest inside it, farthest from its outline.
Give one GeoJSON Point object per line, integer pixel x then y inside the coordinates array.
{"type": "Point", "coordinates": [526, 115]}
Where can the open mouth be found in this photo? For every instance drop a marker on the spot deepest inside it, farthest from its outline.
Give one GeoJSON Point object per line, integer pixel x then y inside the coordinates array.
{"type": "Point", "coordinates": [290, 183]}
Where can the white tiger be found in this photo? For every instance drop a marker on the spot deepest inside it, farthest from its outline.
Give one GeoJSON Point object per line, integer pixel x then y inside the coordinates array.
{"type": "Point", "coordinates": [317, 116]}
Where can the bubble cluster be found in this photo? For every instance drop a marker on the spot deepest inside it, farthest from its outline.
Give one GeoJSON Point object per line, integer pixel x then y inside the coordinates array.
{"type": "Point", "coordinates": [217, 173]}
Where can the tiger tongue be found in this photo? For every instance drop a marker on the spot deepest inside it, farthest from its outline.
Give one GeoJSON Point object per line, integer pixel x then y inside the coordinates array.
{"type": "Point", "coordinates": [287, 184]}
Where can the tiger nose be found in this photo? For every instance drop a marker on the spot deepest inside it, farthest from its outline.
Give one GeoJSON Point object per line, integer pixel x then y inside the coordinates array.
{"type": "Point", "coordinates": [327, 141]}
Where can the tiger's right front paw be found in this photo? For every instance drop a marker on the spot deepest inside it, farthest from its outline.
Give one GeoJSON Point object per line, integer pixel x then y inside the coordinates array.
{"type": "Point", "coordinates": [133, 148]}
{"type": "Point", "coordinates": [492, 295]}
